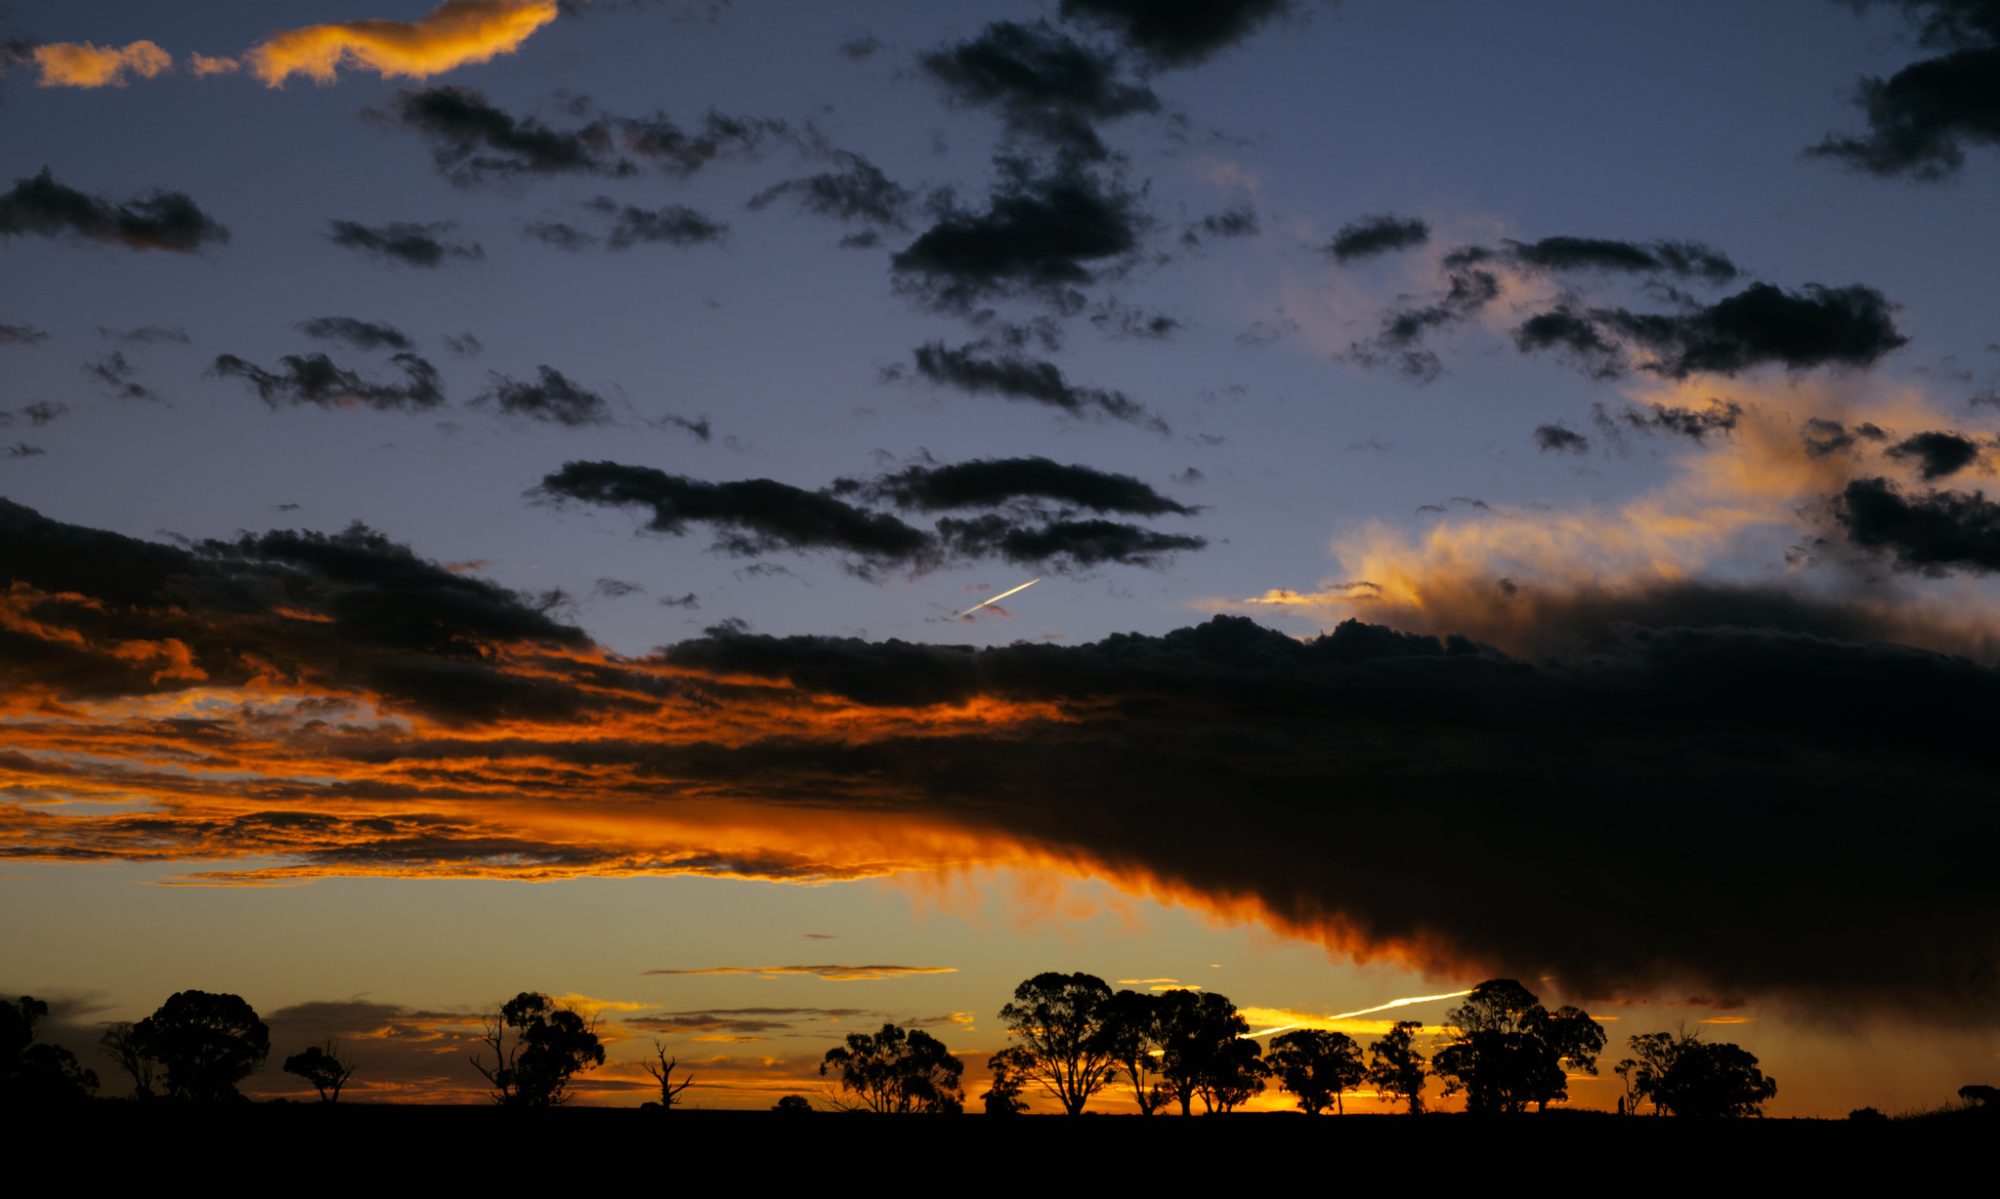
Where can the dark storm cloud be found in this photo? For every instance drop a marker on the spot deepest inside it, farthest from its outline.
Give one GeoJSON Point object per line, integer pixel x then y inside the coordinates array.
{"type": "Point", "coordinates": [1695, 424]}
{"type": "Point", "coordinates": [22, 335]}
{"type": "Point", "coordinates": [147, 335]}
{"type": "Point", "coordinates": [1932, 533]}
{"type": "Point", "coordinates": [317, 380]}
{"type": "Point", "coordinates": [1823, 437]}
{"type": "Point", "coordinates": [1379, 234]}
{"type": "Point", "coordinates": [1177, 33]}
{"type": "Point", "coordinates": [119, 377]}
{"type": "Point", "coordinates": [1560, 439]}
{"type": "Point", "coordinates": [857, 193]}
{"type": "Point", "coordinates": [1687, 259]}
{"type": "Point", "coordinates": [1938, 455]}
{"type": "Point", "coordinates": [551, 397]}
{"type": "Point", "coordinates": [1922, 118]}
{"type": "Point", "coordinates": [1046, 85]}
{"type": "Point", "coordinates": [1762, 325]}
{"type": "Point", "coordinates": [1040, 234]}
{"type": "Point", "coordinates": [980, 369]}
{"type": "Point", "coordinates": [353, 607]}
{"type": "Point", "coordinates": [474, 141]}
{"type": "Point", "coordinates": [362, 335]}
{"type": "Point", "coordinates": [672, 224]}
{"type": "Point", "coordinates": [1705, 723]}
{"type": "Point", "coordinates": [158, 220]}
{"type": "Point", "coordinates": [994, 482]}
{"type": "Point", "coordinates": [749, 517]}
{"type": "Point", "coordinates": [404, 241]}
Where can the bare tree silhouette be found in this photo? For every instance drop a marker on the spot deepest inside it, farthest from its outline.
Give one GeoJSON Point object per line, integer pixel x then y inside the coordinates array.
{"type": "Point", "coordinates": [662, 1071]}
{"type": "Point", "coordinates": [324, 1067]}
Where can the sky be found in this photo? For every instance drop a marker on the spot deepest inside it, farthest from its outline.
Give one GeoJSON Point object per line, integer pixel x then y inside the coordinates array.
{"type": "Point", "coordinates": [498, 495]}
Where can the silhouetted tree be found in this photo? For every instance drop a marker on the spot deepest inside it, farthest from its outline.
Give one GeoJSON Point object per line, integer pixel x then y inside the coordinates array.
{"type": "Point", "coordinates": [34, 1074]}
{"type": "Point", "coordinates": [1059, 1020]}
{"type": "Point", "coordinates": [662, 1071]}
{"type": "Point", "coordinates": [1198, 1035]}
{"type": "Point", "coordinates": [538, 1048]}
{"type": "Point", "coordinates": [898, 1072]}
{"type": "Point", "coordinates": [793, 1105]}
{"type": "Point", "coordinates": [1132, 1029]}
{"type": "Point", "coordinates": [204, 1044]}
{"type": "Point", "coordinates": [1317, 1065]}
{"type": "Point", "coordinates": [1396, 1068]}
{"type": "Point", "coordinates": [1507, 1051]}
{"type": "Point", "coordinates": [1867, 1115]}
{"type": "Point", "coordinates": [1979, 1095]}
{"type": "Point", "coordinates": [1683, 1075]}
{"type": "Point", "coordinates": [1003, 1094]}
{"type": "Point", "coordinates": [1235, 1073]}
{"type": "Point", "coordinates": [121, 1043]}
{"type": "Point", "coordinates": [324, 1067]}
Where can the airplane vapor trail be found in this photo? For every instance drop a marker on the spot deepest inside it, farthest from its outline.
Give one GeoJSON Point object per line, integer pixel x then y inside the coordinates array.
{"type": "Point", "coordinates": [996, 599]}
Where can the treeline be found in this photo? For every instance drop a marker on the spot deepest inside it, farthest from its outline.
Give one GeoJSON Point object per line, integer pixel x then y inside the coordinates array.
{"type": "Point", "coordinates": [1075, 1038]}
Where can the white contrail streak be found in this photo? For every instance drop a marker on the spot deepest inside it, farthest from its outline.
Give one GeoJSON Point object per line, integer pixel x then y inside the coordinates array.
{"type": "Point", "coordinates": [996, 599]}
{"type": "Point", "coordinates": [1380, 1007]}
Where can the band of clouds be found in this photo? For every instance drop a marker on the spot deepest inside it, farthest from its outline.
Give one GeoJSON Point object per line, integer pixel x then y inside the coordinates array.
{"type": "Point", "coordinates": [455, 34]}
{"type": "Point", "coordinates": [832, 974]}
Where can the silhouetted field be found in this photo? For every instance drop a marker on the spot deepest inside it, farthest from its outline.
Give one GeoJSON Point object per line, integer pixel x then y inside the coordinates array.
{"type": "Point", "coordinates": [352, 1144]}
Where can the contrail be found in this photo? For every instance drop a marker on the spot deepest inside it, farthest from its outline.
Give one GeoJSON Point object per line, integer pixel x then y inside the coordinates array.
{"type": "Point", "coordinates": [1380, 1007]}
{"type": "Point", "coordinates": [996, 599]}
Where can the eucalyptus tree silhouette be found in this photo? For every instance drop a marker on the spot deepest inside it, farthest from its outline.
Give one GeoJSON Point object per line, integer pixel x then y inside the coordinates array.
{"type": "Point", "coordinates": [1396, 1068]}
{"type": "Point", "coordinates": [1683, 1075]}
{"type": "Point", "coordinates": [203, 1045]}
{"type": "Point", "coordinates": [1507, 1051]}
{"type": "Point", "coordinates": [898, 1072]}
{"type": "Point", "coordinates": [538, 1048]}
{"type": "Point", "coordinates": [1059, 1022]}
{"type": "Point", "coordinates": [325, 1067]}
{"type": "Point", "coordinates": [1132, 1029]}
{"type": "Point", "coordinates": [1002, 1096]}
{"type": "Point", "coordinates": [1200, 1036]}
{"type": "Point", "coordinates": [1317, 1065]}
{"type": "Point", "coordinates": [35, 1075]}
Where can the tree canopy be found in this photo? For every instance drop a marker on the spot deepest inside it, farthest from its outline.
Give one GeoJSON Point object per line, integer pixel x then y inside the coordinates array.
{"type": "Point", "coordinates": [325, 1067]}
{"type": "Point", "coordinates": [1395, 1068]}
{"type": "Point", "coordinates": [1200, 1034]}
{"type": "Point", "coordinates": [1683, 1075]}
{"type": "Point", "coordinates": [1507, 1051]}
{"type": "Point", "coordinates": [33, 1074]}
{"type": "Point", "coordinates": [203, 1044]}
{"type": "Point", "coordinates": [1317, 1065]}
{"type": "Point", "coordinates": [1058, 1021]}
{"type": "Point", "coordinates": [898, 1072]}
{"type": "Point", "coordinates": [538, 1048]}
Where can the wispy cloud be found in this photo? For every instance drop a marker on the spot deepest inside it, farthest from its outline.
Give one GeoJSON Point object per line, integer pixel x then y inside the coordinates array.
{"type": "Point", "coordinates": [837, 974]}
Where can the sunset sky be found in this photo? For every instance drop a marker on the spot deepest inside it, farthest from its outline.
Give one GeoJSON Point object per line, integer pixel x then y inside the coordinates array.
{"type": "Point", "coordinates": [494, 494]}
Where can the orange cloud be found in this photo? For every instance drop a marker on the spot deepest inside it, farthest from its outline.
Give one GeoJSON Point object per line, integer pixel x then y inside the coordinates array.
{"type": "Point", "coordinates": [837, 974]}
{"type": "Point", "coordinates": [454, 34]}
{"type": "Point", "coordinates": [85, 64]}
{"type": "Point", "coordinates": [204, 65]}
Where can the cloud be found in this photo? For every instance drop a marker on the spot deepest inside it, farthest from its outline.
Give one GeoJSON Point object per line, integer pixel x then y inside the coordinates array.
{"type": "Point", "coordinates": [1938, 455]}
{"type": "Point", "coordinates": [119, 377]}
{"type": "Point", "coordinates": [403, 241]}
{"type": "Point", "coordinates": [1047, 86]}
{"type": "Point", "coordinates": [473, 141]}
{"type": "Point", "coordinates": [334, 705]}
{"type": "Point", "coordinates": [146, 335]}
{"type": "Point", "coordinates": [674, 224]}
{"type": "Point", "coordinates": [1062, 544]}
{"type": "Point", "coordinates": [1124, 322]}
{"type": "Point", "coordinates": [858, 193]}
{"type": "Point", "coordinates": [204, 66]}
{"type": "Point", "coordinates": [750, 517]}
{"type": "Point", "coordinates": [994, 482]}
{"type": "Point", "coordinates": [362, 335]}
{"type": "Point", "coordinates": [1765, 325]}
{"type": "Point", "coordinates": [979, 368]}
{"type": "Point", "coordinates": [1720, 416]}
{"type": "Point", "coordinates": [317, 380]}
{"type": "Point", "coordinates": [835, 974]}
{"type": "Point", "coordinates": [22, 449]}
{"type": "Point", "coordinates": [158, 220]}
{"type": "Point", "coordinates": [1557, 437]}
{"type": "Point", "coordinates": [454, 34]}
{"type": "Point", "coordinates": [1922, 118]}
{"type": "Point", "coordinates": [1177, 34]}
{"type": "Point", "coordinates": [1041, 235]}
{"type": "Point", "coordinates": [1687, 259]}
{"type": "Point", "coordinates": [552, 398]}
{"type": "Point", "coordinates": [43, 412]}
{"type": "Point", "coordinates": [22, 335]}
{"type": "Point", "coordinates": [85, 64]}
{"type": "Point", "coordinates": [1934, 532]}
{"type": "Point", "coordinates": [1383, 233]}
{"type": "Point", "coordinates": [1238, 220]}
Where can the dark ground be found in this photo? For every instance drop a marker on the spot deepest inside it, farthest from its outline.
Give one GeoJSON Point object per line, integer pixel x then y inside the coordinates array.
{"type": "Point", "coordinates": [275, 1148]}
